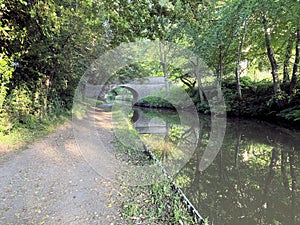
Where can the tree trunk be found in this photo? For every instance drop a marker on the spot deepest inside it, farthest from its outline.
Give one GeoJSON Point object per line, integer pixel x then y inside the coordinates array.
{"type": "Point", "coordinates": [237, 77]}
{"type": "Point", "coordinates": [220, 165]}
{"type": "Point", "coordinates": [163, 61]}
{"type": "Point", "coordinates": [274, 66]}
{"type": "Point", "coordinates": [189, 84]}
{"type": "Point", "coordinates": [286, 63]}
{"type": "Point", "coordinates": [197, 74]}
{"type": "Point", "coordinates": [238, 61]}
{"type": "Point", "coordinates": [296, 64]}
{"type": "Point", "coordinates": [220, 64]}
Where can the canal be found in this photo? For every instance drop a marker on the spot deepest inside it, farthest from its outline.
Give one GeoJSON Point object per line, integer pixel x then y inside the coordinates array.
{"type": "Point", "coordinates": [254, 178]}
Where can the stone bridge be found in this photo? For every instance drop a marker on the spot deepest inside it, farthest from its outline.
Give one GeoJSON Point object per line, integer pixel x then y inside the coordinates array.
{"type": "Point", "coordinates": [140, 88]}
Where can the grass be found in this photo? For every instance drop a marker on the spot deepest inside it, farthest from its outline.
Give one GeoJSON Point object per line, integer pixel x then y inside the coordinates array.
{"type": "Point", "coordinates": [127, 142]}
{"type": "Point", "coordinates": [157, 203]}
{"type": "Point", "coordinates": [27, 129]}
{"type": "Point", "coordinates": [22, 134]}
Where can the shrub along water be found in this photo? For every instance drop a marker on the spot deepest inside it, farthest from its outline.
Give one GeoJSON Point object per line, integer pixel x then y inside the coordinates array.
{"type": "Point", "coordinates": [258, 101]}
{"type": "Point", "coordinates": [158, 203]}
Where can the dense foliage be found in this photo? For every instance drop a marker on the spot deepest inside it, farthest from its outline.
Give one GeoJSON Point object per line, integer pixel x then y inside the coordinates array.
{"type": "Point", "coordinates": [47, 45]}
{"type": "Point", "coordinates": [45, 48]}
{"type": "Point", "coordinates": [252, 46]}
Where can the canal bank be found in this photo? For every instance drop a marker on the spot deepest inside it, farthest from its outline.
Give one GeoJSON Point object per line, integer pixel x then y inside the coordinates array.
{"type": "Point", "coordinates": [253, 178]}
{"type": "Point", "coordinates": [155, 202]}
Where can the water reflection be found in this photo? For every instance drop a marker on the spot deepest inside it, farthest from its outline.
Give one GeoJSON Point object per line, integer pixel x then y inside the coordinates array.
{"type": "Point", "coordinates": [254, 178]}
{"type": "Point", "coordinates": [172, 143]}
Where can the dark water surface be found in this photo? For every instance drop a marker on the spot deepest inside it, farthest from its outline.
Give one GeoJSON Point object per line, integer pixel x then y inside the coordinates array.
{"type": "Point", "coordinates": [254, 179]}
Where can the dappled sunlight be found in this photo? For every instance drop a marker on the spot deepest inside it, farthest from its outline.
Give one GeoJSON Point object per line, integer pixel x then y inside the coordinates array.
{"type": "Point", "coordinates": [58, 146]}
{"type": "Point", "coordinates": [163, 149]}
{"type": "Point", "coordinates": [256, 153]}
{"type": "Point", "coordinates": [103, 120]}
{"type": "Point", "coordinates": [41, 183]}
{"type": "Point", "coordinates": [4, 149]}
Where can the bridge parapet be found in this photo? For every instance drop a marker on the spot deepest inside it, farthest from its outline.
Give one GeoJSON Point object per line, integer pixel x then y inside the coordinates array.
{"type": "Point", "coordinates": [140, 88]}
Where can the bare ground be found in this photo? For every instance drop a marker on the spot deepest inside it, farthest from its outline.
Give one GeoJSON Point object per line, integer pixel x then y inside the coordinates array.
{"type": "Point", "coordinates": [51, 183]}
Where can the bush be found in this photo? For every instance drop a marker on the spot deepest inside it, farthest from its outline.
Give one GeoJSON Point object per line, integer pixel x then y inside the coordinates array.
{"type": "Point", "coordinates": [155, 102]}
{"type": "Point", "coordinates": [176, 98]}
{"type": "Point", "coordinates": [291, 114]}
{"type": "Point", "coordinates": [257, 97]}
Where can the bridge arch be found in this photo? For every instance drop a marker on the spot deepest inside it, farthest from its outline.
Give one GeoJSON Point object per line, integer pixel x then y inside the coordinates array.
{"type": "Point", "coordinates": [134, 92]}
{"type": "Point", "coordinates": [140, 88]}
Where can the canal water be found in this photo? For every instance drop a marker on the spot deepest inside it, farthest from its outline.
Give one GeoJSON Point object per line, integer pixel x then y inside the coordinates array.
{"type": "Point", "coordinates": [254, 178]}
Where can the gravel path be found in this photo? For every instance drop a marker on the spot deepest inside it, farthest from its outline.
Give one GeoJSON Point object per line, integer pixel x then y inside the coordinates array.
{"type": "Point", "coordinates": [51, 183]}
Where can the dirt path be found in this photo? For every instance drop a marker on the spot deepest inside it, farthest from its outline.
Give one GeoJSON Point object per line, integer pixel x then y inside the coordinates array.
{"type": "Point", "coordinates": [51, 183]}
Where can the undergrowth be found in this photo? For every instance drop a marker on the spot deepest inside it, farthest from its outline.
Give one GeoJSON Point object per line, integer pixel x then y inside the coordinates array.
{"type": "Point", "coordinates": [24, 133]}
{"type": "Point", "coordinates": [155, 204]}
{"type": "Point", "coordinates": [149, 204]}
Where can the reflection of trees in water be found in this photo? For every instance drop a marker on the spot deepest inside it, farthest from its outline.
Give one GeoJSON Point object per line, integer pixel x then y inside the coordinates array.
{"type": "Point", "coordinates": [167, 146]}
{"type": "Point", "coordinates": [251, 181]}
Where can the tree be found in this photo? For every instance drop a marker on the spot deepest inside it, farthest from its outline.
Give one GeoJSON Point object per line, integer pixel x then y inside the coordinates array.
{"type": "Point", "coordinates": [52, 42]}
{"type": "Point", "coordinates": [271, 56]}
{"type": "Point", "coordinates": [296, 63]}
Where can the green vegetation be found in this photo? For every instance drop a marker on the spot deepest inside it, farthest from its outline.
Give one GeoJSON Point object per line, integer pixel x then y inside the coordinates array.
{"type": "Point", "coordinates": [33, 129]}
{"type": "Point", "coordinates": [175, 98]}
{"type": "Point", "coordinates": [252, 47]}
{"type": "Point", "coordinates": [155, 204]}
{"type": "Point", "coordinates": [258, 101]}
{"type": "Point", "coordinates": [119, 94]}
{"type": "Point", "coordinates": [47, 46]}
{"type": "Point", "coordinates": [44, 51]}
{"type": "Point", "coordinates": [155, 102]}
{"type": "Point", "coordinates": [152, 204]}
